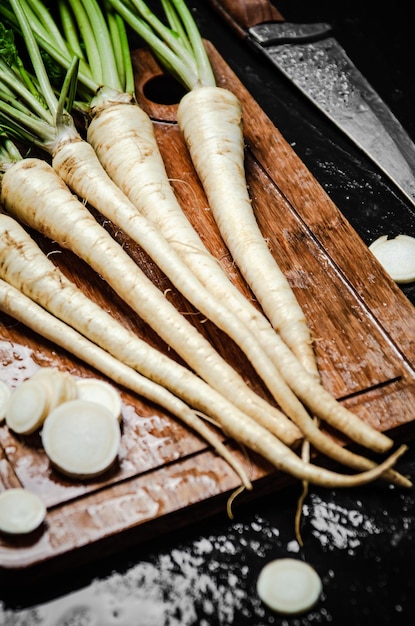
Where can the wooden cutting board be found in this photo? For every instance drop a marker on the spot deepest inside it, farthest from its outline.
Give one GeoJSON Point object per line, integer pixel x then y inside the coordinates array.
{"type": "Point", "coordinates": [364, 330]}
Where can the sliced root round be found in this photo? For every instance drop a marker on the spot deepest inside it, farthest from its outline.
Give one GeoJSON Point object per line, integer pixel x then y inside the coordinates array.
{"type": "Point", "coordinates": [5, 393]}
{"type": "Point", "coordinates": [21, 511]}
{"type": "Point", "coordinates": [27, 408]}
{"type": "Point", "coordinates": [30, 403]}
{"type": "Point", "coordinates": [81, 438]}
{"type": "Point", "coordinates": [59, 385]}
{"type": "Point", "coordinates": [97, 390]}
{"type": "Point", "coordinates": [397, 256]}
{"type": "Point", "coordinates": [289, 586]}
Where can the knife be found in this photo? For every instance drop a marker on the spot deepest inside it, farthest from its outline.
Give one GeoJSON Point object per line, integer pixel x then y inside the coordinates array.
{"type": "Point", "coordinates": [310, 57]}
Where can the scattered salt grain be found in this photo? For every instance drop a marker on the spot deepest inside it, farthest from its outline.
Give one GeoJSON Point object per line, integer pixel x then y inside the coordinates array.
{"type": "Point", "coordinates": [339, 528]}
{"type": "Point", "coordinates": [182, 587]}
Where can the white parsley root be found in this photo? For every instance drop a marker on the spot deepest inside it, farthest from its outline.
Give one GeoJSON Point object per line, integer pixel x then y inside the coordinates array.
{"type": "Point", "coordinates": [21, 511]}
{"type": "Point", "coordinates": [397, 256]}
{"type": "Point", "coordinates": [236, 424]}
{"type": "Point", "coordinates": [81, 438]}
{"type": "Point", "coordinates": [15, 303]}
{"type": "Point", "coordinates": [289, 586]}
{"type": "Point", "coordinates": [199, 357]}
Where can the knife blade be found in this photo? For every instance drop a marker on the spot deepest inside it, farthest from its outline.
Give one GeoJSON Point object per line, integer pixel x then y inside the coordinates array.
{"type": "Point", "coordinates": [311, 58]}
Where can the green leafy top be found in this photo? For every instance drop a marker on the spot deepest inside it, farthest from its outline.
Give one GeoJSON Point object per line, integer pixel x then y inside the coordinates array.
{"type": "Point", "coordinates": [96, 33]}
{"type": "Point", "coordinates": [178, 46]}
{"type": "Point", "coordinates": [30, 110]}
{"type": "Point", "coordinates": [83, 29]}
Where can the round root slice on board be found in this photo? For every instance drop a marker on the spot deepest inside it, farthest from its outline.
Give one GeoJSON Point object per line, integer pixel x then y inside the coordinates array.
{"type": "Point", "coordinates": [289, 586]}
{"type": "Point", "coordinates": [397, 256]}
{"type": "Point", "coordinates": [60, 386]}
{"type": "Point", "coordinates": [97, 390]}
{"type": "Point", "coordinates": [27, 408]}
{"type": "Point", "coordinates": [5, 393]}
{"type": "Point", "coordinates": [21, 511]}
{"type": "Point", "coordinates": [81, 438]}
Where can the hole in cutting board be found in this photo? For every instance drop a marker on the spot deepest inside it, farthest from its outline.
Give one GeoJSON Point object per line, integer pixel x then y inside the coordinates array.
{"type": "Point", "coordinates": [163, 89]}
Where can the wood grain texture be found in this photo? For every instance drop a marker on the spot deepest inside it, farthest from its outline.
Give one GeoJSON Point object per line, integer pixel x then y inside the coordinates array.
{"type": "Point", "coordinates": [364, 330]}
{"type": "Point", "coordinates": [247, 13]}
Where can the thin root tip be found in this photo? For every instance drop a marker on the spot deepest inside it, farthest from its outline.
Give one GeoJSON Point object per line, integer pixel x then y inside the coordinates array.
{"type": "Point", "coordinates": [400, 480]}
{"type": "Point", "coordinates": [402, 449]}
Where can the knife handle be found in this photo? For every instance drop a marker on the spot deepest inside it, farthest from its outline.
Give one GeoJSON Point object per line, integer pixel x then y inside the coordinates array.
{"type": "Point", "coordinates": [242, 14]}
